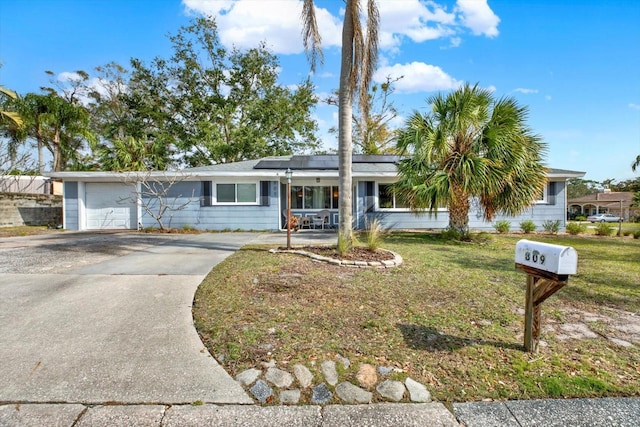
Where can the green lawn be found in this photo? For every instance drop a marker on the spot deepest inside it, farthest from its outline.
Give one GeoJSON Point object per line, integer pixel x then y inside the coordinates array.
{"type": "Point", "coordinates": [450, 317]}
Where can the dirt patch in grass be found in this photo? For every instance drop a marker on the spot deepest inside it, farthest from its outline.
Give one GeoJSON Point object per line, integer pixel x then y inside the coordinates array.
{"type": "Point", "coordinates": [450, 317]}
{"type": "Point", "coordinates": [26, 230]}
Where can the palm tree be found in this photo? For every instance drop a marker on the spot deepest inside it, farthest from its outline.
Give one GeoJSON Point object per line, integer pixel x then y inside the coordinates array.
{"type": "Point", "coordinates": [55, 124]}
{"type": "Point", "coordinates": [470, 146]}
{"type": "Point", "coordinates": [636, 164]}
{"type": "Point", "coordinates": [359, 59]}
{"type": "Point", "coordinates": [13, 117]}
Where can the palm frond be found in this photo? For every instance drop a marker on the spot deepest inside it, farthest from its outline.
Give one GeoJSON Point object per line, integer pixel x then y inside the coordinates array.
{"type": "Point", "coordinates": [311, 39]}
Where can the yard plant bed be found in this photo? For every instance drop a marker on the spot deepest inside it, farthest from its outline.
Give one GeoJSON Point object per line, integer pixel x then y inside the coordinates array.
{"type": "Point", "coordinates": [450, 317]}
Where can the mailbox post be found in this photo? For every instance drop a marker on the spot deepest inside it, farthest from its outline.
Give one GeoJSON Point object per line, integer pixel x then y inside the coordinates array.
{"type": "Point", "coordinates": [548, 268]}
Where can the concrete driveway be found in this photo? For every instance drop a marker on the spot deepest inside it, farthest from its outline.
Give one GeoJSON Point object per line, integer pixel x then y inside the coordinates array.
{"type": "Point", "coordinates": [106, 317]}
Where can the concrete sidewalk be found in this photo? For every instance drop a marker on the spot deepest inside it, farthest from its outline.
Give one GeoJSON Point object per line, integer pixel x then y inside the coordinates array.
{"type": "Point", "coordinates": [608, 412]}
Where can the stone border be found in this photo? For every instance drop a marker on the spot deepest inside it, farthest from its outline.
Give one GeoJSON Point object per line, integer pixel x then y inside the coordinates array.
{"type": "Point", "coordinates": [272, 385]}
{"type": "Point", "coordinates": [395, 262]}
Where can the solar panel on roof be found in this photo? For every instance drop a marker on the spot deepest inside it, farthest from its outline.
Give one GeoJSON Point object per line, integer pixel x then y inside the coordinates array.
{"type": "Point", "coordinates": [322, 162]}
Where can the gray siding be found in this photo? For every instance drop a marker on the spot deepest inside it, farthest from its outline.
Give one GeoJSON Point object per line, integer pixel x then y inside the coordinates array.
{"type": "Point", "coordinates": [551, 211]}
{"type": "Point", "coordinates": [71, 205]}
{"type": "Point", "coordinates": [216, 217]}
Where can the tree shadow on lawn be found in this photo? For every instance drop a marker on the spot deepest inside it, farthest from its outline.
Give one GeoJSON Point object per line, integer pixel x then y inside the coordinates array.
{"type": "Point", "coordinates": [420, 337]}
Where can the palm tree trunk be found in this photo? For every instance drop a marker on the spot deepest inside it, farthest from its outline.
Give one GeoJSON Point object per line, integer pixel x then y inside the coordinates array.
{"type": "Point", "coordinates": [40, 150]}
{"type": "Point", "coordinates": [345, 148]}
{"type": "Point", "coordinates": [57, 160]}
{"type": "Point", "coordinates": [459, 213]}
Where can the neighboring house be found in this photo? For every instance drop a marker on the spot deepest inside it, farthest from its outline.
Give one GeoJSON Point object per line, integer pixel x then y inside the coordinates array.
{"type": "Point", "coordinates": [251, 195]}
{"type": "Point", "coordinates": [614, 202]}
{"type": "Point", "coordinates": [29, 184]}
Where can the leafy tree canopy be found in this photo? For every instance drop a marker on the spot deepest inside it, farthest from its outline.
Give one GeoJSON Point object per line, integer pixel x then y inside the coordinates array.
{"type": "Point", "coordinates": [214, 106]}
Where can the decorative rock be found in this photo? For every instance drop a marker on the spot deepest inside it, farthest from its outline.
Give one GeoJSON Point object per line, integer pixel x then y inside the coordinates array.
{"type": "Point", "coordinates": [303, 375]}
{"type": "Point", "coordinates": [329, 370]}
{"type": "Point", "coordinates": [262, 391]}
{"type": "Point", "coordinates": [278, 377]}
{"type": "Point", "coordinates": [417, 391]}
{"type": "Point", "coordinates": [353, 394]}
{"type": "Point", "coordinates": [391, 390]}
{"type": "Point", "coordinates": [345, 362]}
{"type": "Point", "coordinates": [270, 364]}
{"type": "Point", "coordinates": [320, 394]}
{"type": "Point", "coordinates": [385, 370]}
{"type": "Point", "coordinates": [367, 376]}
{"type": "Point", "coordinates": [248, 377]}
{"type": "Point", "coordinates": [290, 397]}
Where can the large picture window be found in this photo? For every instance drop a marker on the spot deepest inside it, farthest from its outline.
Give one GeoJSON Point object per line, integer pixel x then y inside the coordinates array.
{"type": "Point", "coordinates": [387, 198]}
{"type": "Point", "coordinates": [237, 193]}
{"type": "Point", "coordinates": [314, 197]}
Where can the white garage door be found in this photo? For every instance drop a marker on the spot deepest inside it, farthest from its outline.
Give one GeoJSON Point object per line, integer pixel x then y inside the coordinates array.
{"type": "Point", "coordinates": [109, 206]}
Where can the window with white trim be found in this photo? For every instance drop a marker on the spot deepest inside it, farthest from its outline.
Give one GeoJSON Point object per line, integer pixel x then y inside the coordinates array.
{"type": "Point", "coordinates": [236, 193]}
{"type": "Point", "coordinates": [314, 197]}
{"type": "Point", "coordinates": [542, 195]}
{"type": "Point", "coordinates": [387, 198]}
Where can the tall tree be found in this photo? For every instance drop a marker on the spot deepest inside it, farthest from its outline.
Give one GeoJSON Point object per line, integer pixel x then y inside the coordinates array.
{"type": "Point", "coordinates": [471, 146]}
{"type": "Point", "coordinates": [129, 125]}
{"type": "Point", "coordinates": [373, 131]}
{"type": "Point", "coordinates": [56, 125]}
{"type": "Point", "coordinates": [578, 187]}
{"type": "Point", "coordinates": [636, 163]}
{"type": "Point", "coordinates": [357, 65]}
{"type": "Point", "coordinates": [216, 106]}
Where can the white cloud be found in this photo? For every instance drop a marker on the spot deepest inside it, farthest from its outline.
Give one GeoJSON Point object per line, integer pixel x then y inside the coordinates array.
{"type": "Point", "coordinates": [548, 97]}
{"type": "Point", "coordinates": [634, 106]}
{"type": "Point", "coordinates": [277, 22]}
{"type": "Point", "coordinates": [491, 88]}
{"type": "Point", "coordinates": [478, 16]}
{"type": "Point", "coordinates": [414, 19]}
{"type": "Point", "coordinates": [525, 90]}
{"type": "Point", "coordinates": [453, 42]}
{"type": "Point", "coordinates": [245, 23]}
{"type": "Point", "coordinates": [418, 77]}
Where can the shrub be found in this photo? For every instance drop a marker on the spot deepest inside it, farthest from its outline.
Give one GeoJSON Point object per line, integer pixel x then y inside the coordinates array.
{"type": "Point", "coordinates": [502, 226]}
{"type": "Point", "coordinates": [551, 227]}
{"type": "Point", "coordinates": [580, 218]}
{"type": "Point", "coordinates": [482, 238]}
{"type": "Point", "coordinates": [574, 228]}
{"type": "Point", "coordinates": [603, 229]}
{"type": "Point", "coordinates": [188, 227]}
{"type": "Point", "coordinates": [626, 233]}
{"type": "Point", "coordinates": [451, 234]}
{"type": "Point", "coordinates": [636, 235]}
{"type": "Point", "coordinates": [527, 226]}
{"type": "Point", "coordinates": [373, 234]}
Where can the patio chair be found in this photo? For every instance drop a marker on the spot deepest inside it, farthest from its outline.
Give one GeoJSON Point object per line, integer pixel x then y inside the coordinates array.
{"type": "Point", "coordinates": [321, 219]}
{"type": "Point", "coordinates": [305, 222]}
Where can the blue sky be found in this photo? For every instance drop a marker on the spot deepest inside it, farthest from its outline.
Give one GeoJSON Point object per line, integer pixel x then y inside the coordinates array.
{"type": "Point", "coordinates": [574, 63]}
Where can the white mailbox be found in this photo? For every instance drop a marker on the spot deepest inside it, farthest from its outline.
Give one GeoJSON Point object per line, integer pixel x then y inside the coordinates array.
{"type": "Point", "coordinates": [555, 259]}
